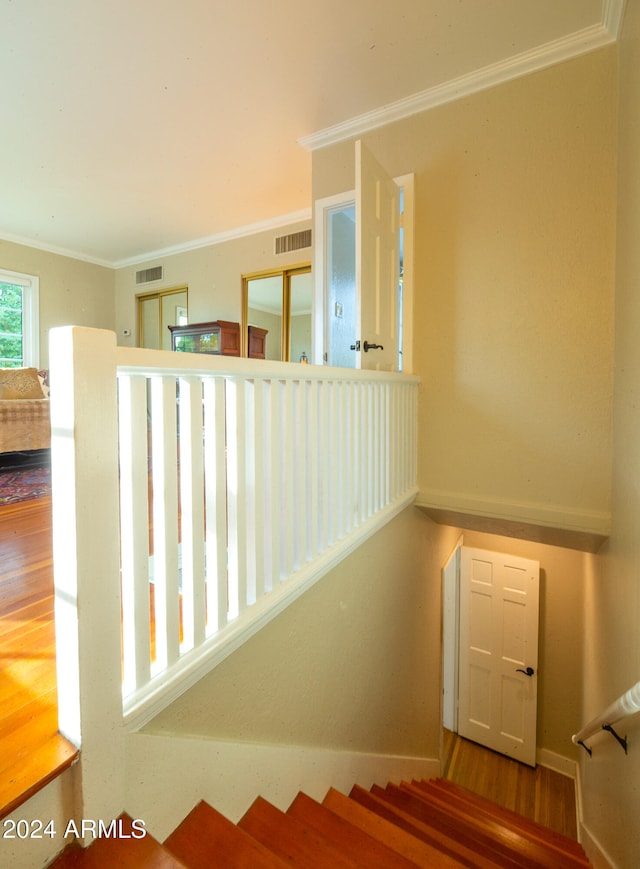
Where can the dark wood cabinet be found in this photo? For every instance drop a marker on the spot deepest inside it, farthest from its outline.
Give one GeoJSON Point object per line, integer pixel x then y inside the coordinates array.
{"type": "Point", "coordinates": [257, 342]}
{"type": "Point", "coordinates": [220, 337]}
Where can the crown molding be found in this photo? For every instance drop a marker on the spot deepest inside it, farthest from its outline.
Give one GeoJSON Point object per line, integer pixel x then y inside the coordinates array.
{"type": "Point", "coordinates": [550, 54]}
{"type": "Point", "coordinates": [228, 235]}
{"type": "Point", "coordinates": [52, 248]}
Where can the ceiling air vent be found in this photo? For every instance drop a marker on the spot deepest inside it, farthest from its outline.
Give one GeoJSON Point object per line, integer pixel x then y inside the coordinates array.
{"type": "Point", "coordinates": [146, 275]}
{"type": "Point", "coordinates": [295, 241]}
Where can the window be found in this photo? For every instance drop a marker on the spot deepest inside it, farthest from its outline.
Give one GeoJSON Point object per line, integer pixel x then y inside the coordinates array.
{"type": "Point", "coordinates": [19, 326]}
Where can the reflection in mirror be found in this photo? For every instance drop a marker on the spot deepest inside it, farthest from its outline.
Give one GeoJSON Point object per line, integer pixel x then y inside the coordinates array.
{"type": "Point", "coordinates": [279, 302]}
{"type": "Point", "coordinates": [156, 312]}
{"type": "Point", "coordinates": [264, 310]}
{"type": "Point", "coordinates": [300, 293]}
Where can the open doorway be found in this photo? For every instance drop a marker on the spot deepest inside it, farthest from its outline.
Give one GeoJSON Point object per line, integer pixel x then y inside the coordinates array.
{"type": "Point", "coordinates": [338, 308]}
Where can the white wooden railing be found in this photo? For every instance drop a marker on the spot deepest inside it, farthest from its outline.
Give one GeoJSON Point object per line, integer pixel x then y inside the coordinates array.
{"type": "Point", "coordinates": [240, 483]}
{"type": "Point", "coordinates": [627, 704]}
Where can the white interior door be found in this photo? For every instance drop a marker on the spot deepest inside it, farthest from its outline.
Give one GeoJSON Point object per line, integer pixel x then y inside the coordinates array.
{"type": "Point", "coordinates": [377, 263]}
{"type": "Point", "coordinates": [498, 660]}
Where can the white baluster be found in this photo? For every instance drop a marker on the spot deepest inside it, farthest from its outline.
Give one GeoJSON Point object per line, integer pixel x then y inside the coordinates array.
{"type": "Point", "coordinates": [274, 481]}
{"type": "Point", "coordinates": [134, 535]}
{"type": "Point", "coordinates": [260, 460]}
{"type": "Point", "coordinates": [191, 512]}
{"type": "Point", "coordinates": [165, 520]}
{"type": "Point", "coordinates": [216, 502]}
{"type": "Point", "coordinates": [289, 517]}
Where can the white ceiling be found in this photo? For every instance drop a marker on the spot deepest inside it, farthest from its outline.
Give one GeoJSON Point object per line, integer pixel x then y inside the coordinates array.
{"type": "Point", "coordinates": [131, 127]}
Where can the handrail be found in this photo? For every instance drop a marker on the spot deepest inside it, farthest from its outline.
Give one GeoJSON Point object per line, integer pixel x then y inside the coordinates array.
{"type": "Point", "coordinates": [627, 704]}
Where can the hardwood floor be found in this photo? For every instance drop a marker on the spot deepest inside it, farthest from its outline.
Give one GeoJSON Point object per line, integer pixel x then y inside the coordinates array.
{"type": "Point", "coordinates": [32, 752]}
{"type": "Point", "coordinates": [540, 794]}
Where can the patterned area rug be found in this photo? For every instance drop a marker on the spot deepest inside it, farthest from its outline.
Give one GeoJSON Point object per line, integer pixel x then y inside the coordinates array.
{"type": "Point", "coordinates": [22, 484]}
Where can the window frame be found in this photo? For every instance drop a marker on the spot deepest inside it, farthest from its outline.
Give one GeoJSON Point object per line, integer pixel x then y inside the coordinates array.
{"type": "Point", "coordinates": [30, 285]}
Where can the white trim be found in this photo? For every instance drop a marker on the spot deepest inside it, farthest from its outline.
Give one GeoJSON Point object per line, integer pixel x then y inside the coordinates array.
{"type": "Point", "coordinates": [30, 314]}
{"type": "Point", "coordinates": [230, 775]}
{"type": "Point", "coordinates": [319, 338]}
{"type": "Point", "coordinates": [208, 241]}
{"type": "Point", "coordinates": [450, 638]}
{"type": "Point", "coordinates": [594, 850]}
{"type": "Point", "coordinates": [52, 248]}
{"type": "Point", "coordinates": [560, 517]}
{"type": "Point", "coordinates": [557, 51]}
{"type": "Point", "coordinates": [557, 762]}
{"type": "Point", "coordinates": [218, 238]}
{"type": "Point", "coordinates": [407, 183]}
{"type": "Point", "coordinates": [613, 16]}
{"type": "Point", "coordinates": [321, 207]}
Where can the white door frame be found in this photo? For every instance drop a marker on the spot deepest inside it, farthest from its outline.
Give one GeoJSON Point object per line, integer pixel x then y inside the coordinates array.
{"type": "Point", "coordinates": [321, 207]}
{"type": "Point", "coordinates": [451, 638]}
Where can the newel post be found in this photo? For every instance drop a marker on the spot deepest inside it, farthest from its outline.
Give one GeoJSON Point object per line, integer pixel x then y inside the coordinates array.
{"type": "Point", "coordinates": [86, 551]}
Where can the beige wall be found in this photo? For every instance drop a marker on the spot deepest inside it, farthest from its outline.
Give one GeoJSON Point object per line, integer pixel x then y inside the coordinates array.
{"type": "Point", "coordinates": [611, 794]}
{"type": "Point", "coordinates": [339, 648]}
{"type": "Point", "coordinates": [72, 292]}
{"type": "Point", "coordinates": [212, 274]}
{"type": "Point", "coordinates": [352, 665]}
{"type": "Point", "coordinates": [513, 320]}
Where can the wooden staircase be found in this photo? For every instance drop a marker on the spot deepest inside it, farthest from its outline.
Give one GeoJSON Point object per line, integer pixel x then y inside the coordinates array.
{"type": "Point", "coordinates": [434, 824]}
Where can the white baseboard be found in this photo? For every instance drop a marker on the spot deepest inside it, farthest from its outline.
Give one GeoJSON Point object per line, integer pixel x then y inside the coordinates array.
{"type": "Point", "coordinates": [556, 762]}
{"type": "Point", "coordinates": [593, 849]}
{"type": "Point", "coordinates": [168, 775]}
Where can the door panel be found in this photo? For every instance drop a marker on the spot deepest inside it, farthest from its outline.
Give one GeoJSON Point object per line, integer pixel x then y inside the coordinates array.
{"type": "Point", "coordinates": [499, 597]}
{"type": "Point", "coordinates": [377, 261]}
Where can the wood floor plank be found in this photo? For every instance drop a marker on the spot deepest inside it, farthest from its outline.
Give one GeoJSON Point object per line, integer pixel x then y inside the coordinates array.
{"type": "Point", "coordinates": [31, 749]}
{"type": "Point", "coordinates": [539, 793]}
{"type": "Point", "coordinates": [45, 761]}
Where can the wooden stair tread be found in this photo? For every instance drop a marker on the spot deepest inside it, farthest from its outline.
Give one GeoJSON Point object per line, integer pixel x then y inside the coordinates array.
{"type": "Point", "coordinates": [414, 850]}
{"type": "Point", "coordinates": [452, 791]}
{"type": "Point", "coordinates": [352, 841]}
{"type": "Point", "coordinates": [417, 824]}
{"type": "Point", "coordinates": [474, 836]}
{"type": "Point", "coordinates": [127, 853]}
{"type": "Point", "coordinates": [488, 836]}
{"type": "Point", "coordinates": [510, 840]}
{"type": "Point", "coordinates": [206, 838]}
{"type": "Point", "coordinates": [294, 842]}
{"type": "Point", "coordinates": [30, 773]}
{"type": "Point", "coordinates": [428, 833]}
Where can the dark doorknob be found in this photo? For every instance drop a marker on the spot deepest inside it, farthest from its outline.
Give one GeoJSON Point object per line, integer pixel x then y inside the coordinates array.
{"type": "Point", "coordinates": [528, 672]}
{"type": "Point", "coordinates": [368, 347]}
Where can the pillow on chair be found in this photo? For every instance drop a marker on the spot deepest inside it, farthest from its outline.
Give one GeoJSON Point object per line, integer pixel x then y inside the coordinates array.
{"type": "Point", "coordinates": [20, 383]}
